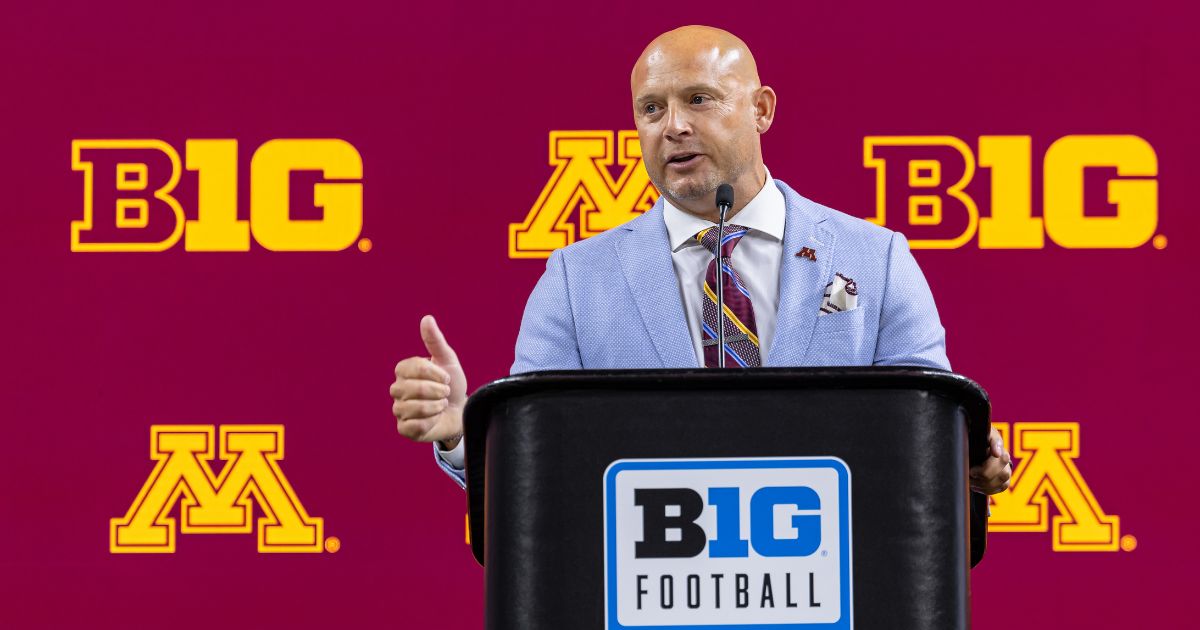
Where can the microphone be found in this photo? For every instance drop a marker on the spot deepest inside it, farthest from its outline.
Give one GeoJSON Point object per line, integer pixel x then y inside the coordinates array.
{"type": "Point", "coordinates": [724, 199]}
{"type": "Point", "coordinates": [724, 203]}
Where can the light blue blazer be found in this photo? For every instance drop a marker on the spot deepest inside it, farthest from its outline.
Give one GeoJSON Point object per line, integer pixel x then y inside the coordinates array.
{"type": "Point", "coordinates": [613, 300]}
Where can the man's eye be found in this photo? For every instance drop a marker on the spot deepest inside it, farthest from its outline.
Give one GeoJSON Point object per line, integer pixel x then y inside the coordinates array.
{"type": "Point", "coordinates": [650, 109]}
{"type": "Point", "coordinates": [698, 100]}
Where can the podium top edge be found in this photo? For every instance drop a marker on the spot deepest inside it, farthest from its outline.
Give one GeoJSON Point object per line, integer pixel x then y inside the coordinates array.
{"type": "Point", "coordinates": [968, 393]}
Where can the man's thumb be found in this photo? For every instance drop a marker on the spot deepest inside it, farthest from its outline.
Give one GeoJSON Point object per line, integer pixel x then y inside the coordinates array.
{"type": "Point", "coordinates": [435, 342]}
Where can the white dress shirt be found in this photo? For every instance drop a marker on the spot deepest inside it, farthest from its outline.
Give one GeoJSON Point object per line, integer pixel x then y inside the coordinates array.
{"type": "Point", "coordinates": [756, 258]}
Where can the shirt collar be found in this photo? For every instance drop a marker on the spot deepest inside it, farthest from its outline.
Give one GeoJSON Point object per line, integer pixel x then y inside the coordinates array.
{"type": "Point", "coordinates": [765, 213]}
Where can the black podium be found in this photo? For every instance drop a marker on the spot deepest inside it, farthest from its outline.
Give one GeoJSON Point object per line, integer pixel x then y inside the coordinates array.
{"type": "Point", "coordinates": [767, 498]}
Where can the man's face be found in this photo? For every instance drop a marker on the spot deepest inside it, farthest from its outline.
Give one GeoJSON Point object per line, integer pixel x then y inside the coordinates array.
{"type": "Point", "coordinates": [695, 119]}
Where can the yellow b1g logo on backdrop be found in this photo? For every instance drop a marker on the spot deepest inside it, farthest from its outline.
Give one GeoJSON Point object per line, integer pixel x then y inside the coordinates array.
{"type": "Point", "coordinates": [920, 182]}
{"type": "Point", "coordinates": [128, 204]}
{"type": "Point", "coordinates": [218, 504]}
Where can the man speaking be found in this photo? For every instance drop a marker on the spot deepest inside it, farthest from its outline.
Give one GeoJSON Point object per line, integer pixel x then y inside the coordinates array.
{"type": "Point", "coordinates": [803, 284]}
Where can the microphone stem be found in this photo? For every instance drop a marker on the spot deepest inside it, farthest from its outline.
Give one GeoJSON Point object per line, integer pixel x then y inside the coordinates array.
{"type": "Point", "coordinates": [720, 287]}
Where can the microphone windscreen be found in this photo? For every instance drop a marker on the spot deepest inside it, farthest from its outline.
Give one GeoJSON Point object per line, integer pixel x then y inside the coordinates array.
{"type": "Point", "coordinates": [725, 195]}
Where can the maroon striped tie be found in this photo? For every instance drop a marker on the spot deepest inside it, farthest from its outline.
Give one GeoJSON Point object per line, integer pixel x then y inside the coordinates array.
{"type": "Point", "coordinates": [741, 335]}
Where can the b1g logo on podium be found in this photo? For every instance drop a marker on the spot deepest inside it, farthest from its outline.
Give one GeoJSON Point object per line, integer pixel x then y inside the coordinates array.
{"type": "Point", "coordinates": [751, 543]}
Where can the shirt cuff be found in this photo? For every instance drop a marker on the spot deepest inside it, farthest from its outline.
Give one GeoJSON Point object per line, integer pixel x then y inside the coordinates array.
{"type": "Point", "coordinates": [453, 457]}
{"type": "Point", "coordinates": [458, 474]}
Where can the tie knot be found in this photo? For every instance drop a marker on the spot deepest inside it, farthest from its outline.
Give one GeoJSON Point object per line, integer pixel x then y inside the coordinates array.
{"type": "Point", "coordinates": [733, 233]}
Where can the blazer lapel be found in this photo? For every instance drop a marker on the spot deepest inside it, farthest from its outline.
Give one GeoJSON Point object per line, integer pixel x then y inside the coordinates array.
{"type": "Point", "coordinates": [801, 281]}
{"type": "Point", "coordinates": [645, 255]}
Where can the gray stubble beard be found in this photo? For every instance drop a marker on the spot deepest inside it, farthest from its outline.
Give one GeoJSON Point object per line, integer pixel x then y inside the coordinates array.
{"type": "Point", "coordinates": [706, 188]}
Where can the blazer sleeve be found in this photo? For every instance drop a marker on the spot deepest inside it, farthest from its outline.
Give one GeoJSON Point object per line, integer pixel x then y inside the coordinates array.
{"type": "Point", "coordinates": [547, 339]}
{"type": "Point", "coordinates": [546, 342]}
{"type": "Point", "coordinates": [910, 331]}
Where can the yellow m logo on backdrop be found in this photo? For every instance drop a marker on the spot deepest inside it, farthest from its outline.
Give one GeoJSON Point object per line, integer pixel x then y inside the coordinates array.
{"type": "Point", "coordinates": [1046, 472]}
{"type": "Point", "coordinates": [216, 504]}
{"type": "Point", "coordinates": [581, 178]}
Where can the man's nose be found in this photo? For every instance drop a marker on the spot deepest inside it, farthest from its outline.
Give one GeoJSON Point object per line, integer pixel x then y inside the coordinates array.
{"type": "Point", "coordinates": [678, 123]}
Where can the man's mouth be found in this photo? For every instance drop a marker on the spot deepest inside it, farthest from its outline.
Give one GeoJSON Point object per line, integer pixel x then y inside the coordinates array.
{"type": "Point", "coordinates": [683, 159]}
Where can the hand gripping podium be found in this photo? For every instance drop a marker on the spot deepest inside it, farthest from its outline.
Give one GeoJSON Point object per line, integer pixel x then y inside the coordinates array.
{"type": "Point", "coordinates": [766, 498]}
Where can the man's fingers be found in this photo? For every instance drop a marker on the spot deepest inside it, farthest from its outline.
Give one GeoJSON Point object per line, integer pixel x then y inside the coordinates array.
{"type": "Point", "coordinates": [419, 389]}
{"type": "Point", "coordinates": [422, 369]}
{"type": "Point", "coordinates": [991, 477]}
{"type": "Point", "coordinates": [412, 429]}
{"type": "Point", "coordinates": [994, 467]}
{"type": "Point", "coordinates": [418, 409]}
{"type": "Point", "coordinates": [996, 443]}
{"type": "Point", "coordinates": [435, 342]}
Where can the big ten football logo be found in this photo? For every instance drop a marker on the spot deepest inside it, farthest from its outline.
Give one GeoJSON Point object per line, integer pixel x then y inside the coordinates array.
{"type": "Point", "coordinates": [740, 542]}
{"type": "Point", "coordinates": [218, 503]}
{"type": "Point", "coordinates": [130, 203]}
{"type": "Point", "coordinates": [1045, 472]}
{"type": "Point", "coordinates": [583, 181]}
{"type": "Point", "coordinates": [921, 182]}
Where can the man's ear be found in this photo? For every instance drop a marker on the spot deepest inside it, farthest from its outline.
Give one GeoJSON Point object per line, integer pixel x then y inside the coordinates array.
{"type": "Point", "coordinates": [764, 108]}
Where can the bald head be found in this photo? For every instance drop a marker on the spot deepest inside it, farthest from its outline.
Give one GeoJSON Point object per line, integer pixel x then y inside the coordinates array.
{"type": "Point", "coordinates": [699, 110]}
{"type": "Point", "coordinates": [720, 50]}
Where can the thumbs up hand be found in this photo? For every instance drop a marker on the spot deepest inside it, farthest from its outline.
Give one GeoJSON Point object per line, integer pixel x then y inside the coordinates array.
{"type": "Point", "coordinates": [429, 393]}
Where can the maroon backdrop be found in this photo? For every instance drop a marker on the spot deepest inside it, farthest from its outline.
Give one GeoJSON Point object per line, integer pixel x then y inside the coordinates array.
{"type": "Point", "coordinates": [451, 106]}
